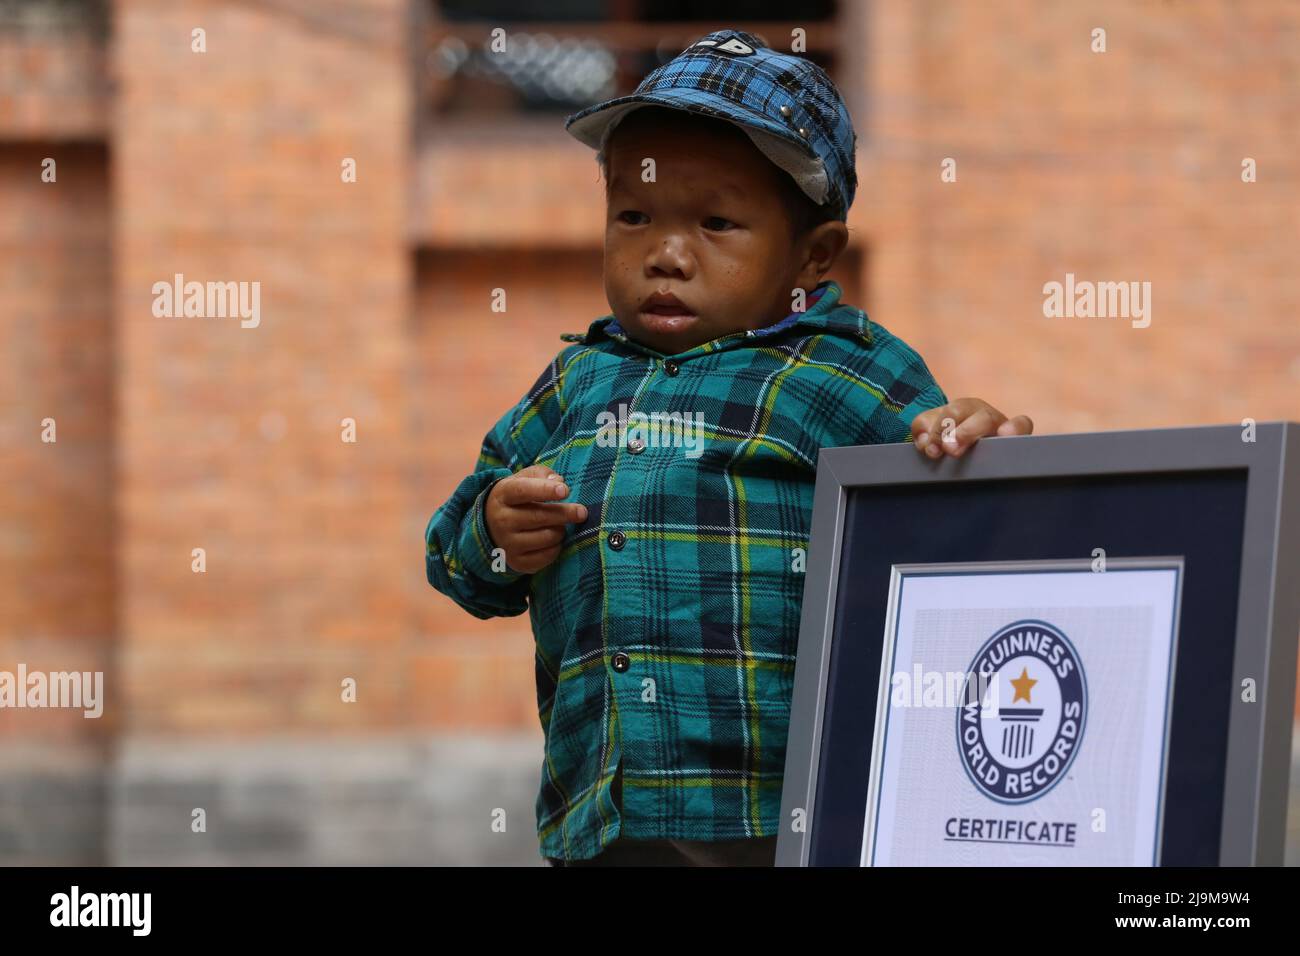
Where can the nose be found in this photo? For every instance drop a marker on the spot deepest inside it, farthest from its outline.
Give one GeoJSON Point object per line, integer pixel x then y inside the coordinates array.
{"type": "Point", "coordinates": [670, 256]}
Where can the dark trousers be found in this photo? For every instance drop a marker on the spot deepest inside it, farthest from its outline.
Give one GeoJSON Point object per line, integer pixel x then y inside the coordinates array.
{"type": "Point", "coordinates": [759, 851]}
{"type": "Point", "coordinates": [756, 851]}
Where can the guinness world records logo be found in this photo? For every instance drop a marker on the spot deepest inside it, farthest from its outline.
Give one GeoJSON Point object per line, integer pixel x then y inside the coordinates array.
{"type": "Point", "coordinates": [1018, 750]}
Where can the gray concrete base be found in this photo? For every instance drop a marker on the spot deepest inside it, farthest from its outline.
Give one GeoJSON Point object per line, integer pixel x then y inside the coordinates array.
{"type": "Point", "coordinates": [53, 805]}
{"type": "Point", "coordinates": [425, 801]}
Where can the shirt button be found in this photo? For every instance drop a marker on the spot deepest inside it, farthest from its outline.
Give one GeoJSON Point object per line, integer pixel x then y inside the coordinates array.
{"type": "Point", "coordinates": [620, 662]}
{"type": "Point", "coordinates": [617, 539]}
{"type": "Point", "coordinates": [671, 368]}
{"type": "Point", "coordinates": [635, 445]}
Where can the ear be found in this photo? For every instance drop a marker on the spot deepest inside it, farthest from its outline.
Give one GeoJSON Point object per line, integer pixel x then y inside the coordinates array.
{"type": "Point", "coordinates": [818, 249]}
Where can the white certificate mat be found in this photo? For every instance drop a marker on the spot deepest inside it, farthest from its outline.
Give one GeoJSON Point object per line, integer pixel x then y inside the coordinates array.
{"type": "Point", "coordinates": [1023, 714]}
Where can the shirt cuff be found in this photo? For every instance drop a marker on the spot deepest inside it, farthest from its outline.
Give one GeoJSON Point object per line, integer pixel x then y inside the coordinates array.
{"type": "Point", "coordinates": [476, 544]}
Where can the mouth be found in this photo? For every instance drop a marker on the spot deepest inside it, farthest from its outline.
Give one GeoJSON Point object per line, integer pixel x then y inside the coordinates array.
{"type": "Point", "coordinates": [665, 312]}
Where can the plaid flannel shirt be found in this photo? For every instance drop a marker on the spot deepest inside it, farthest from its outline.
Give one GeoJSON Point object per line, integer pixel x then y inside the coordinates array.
{"type": "Point", "coordinates": [666, 629]}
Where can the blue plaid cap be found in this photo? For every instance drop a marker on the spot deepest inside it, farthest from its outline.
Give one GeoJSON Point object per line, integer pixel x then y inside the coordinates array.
{"type": "Point", "coordinates": [787, 105]}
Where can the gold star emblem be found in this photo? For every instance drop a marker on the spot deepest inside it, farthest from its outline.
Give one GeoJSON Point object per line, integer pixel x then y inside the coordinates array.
{"type": "Point", "coordinates": [1022, 685]}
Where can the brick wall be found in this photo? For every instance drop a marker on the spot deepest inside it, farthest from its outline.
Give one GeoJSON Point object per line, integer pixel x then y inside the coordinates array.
{"type": "Point", "coordinates": [180, 433]}
{"type": "Point", "coordinates": [57, 600]}
{"type": "Point", "coordinates": [227, 167]}
{"type": "Point", "coordinates": [1116, 166]}
{"type": "Point", "coordinates": [52, 80]}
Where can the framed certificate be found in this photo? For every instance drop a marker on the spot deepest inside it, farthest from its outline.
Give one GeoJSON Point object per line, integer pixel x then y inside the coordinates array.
{"type": "Point", "coordinates": [1006, 723]}
{"type": "Point", "coordinates": [1056, 650]}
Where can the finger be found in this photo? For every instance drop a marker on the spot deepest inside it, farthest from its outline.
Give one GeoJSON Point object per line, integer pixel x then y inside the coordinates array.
{"type": "Point", "coordinates": [520, 490]}
{"type": "Point", "coordinates": [534, 561]}
{"type": "Point", "coordinates": [983, 422]}
{"type": "Point", "coordinates": [921, 427]}
{"type": "Point", "coordinates": [948, 418]}
{"type": "Point", "coordinates": [928, 428]}
{"type": "Point", "coordinates": [524, 542]}
{"type": "Point", "coordinates": [531, 517]}
{"type": "Point", "coordinates": [1020, 425]}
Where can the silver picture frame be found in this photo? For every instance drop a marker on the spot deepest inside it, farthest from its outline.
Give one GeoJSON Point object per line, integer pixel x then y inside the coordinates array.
{"type": "Point", "coordinates": [1268, 606]}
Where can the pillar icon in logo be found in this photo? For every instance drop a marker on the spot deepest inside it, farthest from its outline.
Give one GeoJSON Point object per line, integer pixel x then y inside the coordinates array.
{"type": "Point", "coordinates": [1020, 749]}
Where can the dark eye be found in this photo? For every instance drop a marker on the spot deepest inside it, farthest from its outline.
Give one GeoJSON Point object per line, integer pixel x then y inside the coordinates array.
{"type": "Point", "coordinates": [623, 216]}
{"type": "Point", "coordinates": [717, 223]}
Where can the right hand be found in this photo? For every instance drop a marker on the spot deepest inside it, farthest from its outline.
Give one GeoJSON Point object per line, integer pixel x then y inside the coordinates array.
{"type": "Point", "coordinates": [525, 519]}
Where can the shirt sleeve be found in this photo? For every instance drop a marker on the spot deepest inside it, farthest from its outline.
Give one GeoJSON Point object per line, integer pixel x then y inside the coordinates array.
{"type": "Point", "coordinates": [909, 388]}
{"type": "Point", "coordinates": [458, 547]}
{"type": "Point", "coordinates": [931, 396]}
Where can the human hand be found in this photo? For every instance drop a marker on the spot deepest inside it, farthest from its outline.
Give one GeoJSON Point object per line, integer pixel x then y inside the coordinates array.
{"type": "Point", "coordinates": [526, 521]}
{"type": "Point", "coordinates": [957, 426]}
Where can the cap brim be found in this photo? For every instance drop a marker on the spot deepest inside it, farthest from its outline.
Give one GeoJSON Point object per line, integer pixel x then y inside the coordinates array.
{"type": "Point", "coordinates": [591, 125]}
{"type": "Point", "coordinates": [781, 145]}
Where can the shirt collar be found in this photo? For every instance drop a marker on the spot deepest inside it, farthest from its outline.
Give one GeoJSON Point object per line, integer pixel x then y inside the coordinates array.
{"type": "Point", "coordinates": [824, 314]}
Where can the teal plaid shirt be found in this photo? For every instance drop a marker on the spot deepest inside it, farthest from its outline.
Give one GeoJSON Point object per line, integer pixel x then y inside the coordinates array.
{"type": "Point", "coordinates": [666, 629]}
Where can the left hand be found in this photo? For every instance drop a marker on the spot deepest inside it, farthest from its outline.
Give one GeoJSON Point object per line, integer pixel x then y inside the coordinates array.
{"type": "Point", "coordinates": [955, 427]}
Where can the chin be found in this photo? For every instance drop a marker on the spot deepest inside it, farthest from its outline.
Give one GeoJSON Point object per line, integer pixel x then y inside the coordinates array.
{"type": "Point", "coordinates": [663, 333]}
{"type": "Point", "coordinates": [666, 326]}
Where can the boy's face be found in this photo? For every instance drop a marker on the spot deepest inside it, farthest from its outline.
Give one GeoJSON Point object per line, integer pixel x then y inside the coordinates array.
{"type": "Point", "coordinates": [712, 230]}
